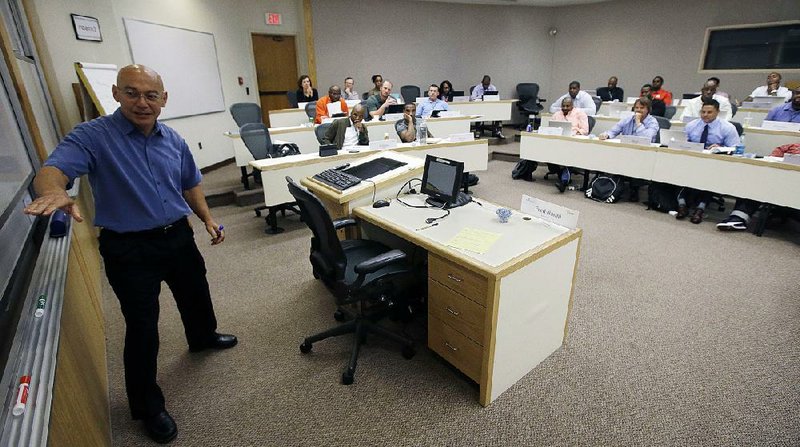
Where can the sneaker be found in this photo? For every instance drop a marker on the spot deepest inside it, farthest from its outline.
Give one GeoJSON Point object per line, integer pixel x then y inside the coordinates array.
{"type": "Point", "coordinates": [564, 180]}
{"type": "Point", "coordinates": [732, 223]}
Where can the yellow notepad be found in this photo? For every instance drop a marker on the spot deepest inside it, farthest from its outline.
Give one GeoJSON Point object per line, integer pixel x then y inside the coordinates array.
{"type": "Point", "coordinates": [474, 240]}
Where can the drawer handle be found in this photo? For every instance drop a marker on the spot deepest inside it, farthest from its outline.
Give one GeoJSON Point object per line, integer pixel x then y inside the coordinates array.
{"type": "Point", "coordinates": [452, 348]}
{"type": "Point", "coordinates": [454, 278]}
{"type": "Point", "coordinates": [454, 312]}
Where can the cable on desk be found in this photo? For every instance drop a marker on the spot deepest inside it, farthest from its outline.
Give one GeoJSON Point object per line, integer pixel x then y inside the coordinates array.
{"type": "Point", "coordinates": [374, 188]}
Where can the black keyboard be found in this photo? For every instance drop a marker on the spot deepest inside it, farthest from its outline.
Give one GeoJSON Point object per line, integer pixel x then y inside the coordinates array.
{"type": "Point", "coordinates": [338, 179]}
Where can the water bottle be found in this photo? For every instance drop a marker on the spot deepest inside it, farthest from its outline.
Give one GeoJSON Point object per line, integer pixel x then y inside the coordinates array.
{"type": "Point", "coordinates": [740, 146]}
{"type": "Point", "coordinates": [423, 132]}
{"type": "Point", "coordinates": [748, 120]}
{"type": "Point", "coordinates": [529, 127]}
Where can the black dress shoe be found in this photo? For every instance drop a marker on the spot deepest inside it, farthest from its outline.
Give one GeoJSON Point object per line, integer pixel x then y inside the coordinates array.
{"type": "Point", "coordinates": [683, 211]}
{"type": "Point", "coordinates": [697, 217]}
{"type": "Point", "coordinates": [217, 341]}
{"type": "Point", "coordinates": [161, 428]}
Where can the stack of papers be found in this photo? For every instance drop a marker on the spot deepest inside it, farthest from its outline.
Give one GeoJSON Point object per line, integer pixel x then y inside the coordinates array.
{"type": "Point", "coordinates": [474, 240]}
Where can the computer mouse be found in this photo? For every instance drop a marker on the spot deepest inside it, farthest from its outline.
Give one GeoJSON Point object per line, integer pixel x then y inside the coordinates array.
{"type": "Point", "coordinates": [380, 204]}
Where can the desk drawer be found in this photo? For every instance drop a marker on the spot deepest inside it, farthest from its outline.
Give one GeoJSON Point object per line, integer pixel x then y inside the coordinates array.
{"type": "Point", "coordinates": [463, 281]}
{"type": "Point", "coordinates": [461, 314]}
{"type": "Point", "coordinates": [460, 351]}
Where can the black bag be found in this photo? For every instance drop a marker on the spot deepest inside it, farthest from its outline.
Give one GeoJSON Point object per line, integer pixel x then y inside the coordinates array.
{"type": "Point", "coordinates": [606, 188]}
{"type": "Point", "coordinates": [662, 197]}
{"type": "Point", "coordinates": [524, 170]}
{"type": "Point", "coordinates": [285, 149]}
{"type": "Point", "coordinates": [469, 180]}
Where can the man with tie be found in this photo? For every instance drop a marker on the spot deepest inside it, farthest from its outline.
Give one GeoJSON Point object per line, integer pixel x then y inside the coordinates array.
{"type": "Point", "coordinates": [712, 132]}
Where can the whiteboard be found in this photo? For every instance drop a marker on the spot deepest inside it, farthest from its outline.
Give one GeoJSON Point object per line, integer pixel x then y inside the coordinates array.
{"type": "Point", "coordinates": [186, 61]}
{"type": "Point", "coordinates": [98, 79]}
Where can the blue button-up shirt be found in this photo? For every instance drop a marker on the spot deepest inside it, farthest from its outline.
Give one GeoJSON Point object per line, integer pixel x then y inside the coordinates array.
{"type": "Point", "coordinates": [720, 132]}
{"type": "Point", "coordinates": [627, 126]}
{"type": "Point", "coordinates": [137, 181]}
{"type": "Point", "coordinates": [784, 112]}
{"type": "Point", "coordinates": [425, 108]}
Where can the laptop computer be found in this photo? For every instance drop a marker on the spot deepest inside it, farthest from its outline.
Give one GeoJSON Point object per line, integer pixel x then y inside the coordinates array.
{"type": "Point", "coordinates": [566, 126]}
{"type": "Point", "coordinates": [771, 100]}
{"type": "Point", "coordinates": [669, 136]}
{"type": "Point", "coordinates": [395, 108]}
{"type": "Point", "coordinates": [491, 96]}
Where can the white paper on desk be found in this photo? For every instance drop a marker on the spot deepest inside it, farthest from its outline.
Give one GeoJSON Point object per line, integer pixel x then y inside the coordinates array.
{"type": "Point", "coordinates": [631, 99]}
{"type": "Point", "coordinates": [460, 137]}
{"type": "Point", "coordinates": [792, 159]}
{"type": "Point", "coordinates": [392, 117]}
{"type": "Point", "coordinates": [352, 102]}
{"type": "Point", "coordinates": [633, 139]}
{"type": "Point", "coordinates": [334, 108]}
{"type": "Point", "coordinates": [549, 212]}
{"type": "Point", "coordinates": [449, 113]}
{"type": "Point", "coordinates": [301, 105]}
{"type": "Point", "coordinates": [780, 125]}
{"type": "Point", "coordinates": [474, 240]}
{"type": "Point", "coordinates": [383, 144]}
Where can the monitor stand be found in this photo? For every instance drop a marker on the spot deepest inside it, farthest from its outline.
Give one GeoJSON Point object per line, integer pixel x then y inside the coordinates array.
{"type": "Point", "coordinates": [461, 200]}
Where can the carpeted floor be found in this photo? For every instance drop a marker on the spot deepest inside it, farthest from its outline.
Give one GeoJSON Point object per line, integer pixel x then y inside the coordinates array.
{"type": "Point", "coordinates": [679, 335]}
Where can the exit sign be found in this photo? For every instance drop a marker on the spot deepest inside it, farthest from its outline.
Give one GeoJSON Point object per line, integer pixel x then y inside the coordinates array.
{"type": "Point", "coordinates": [273, 18]}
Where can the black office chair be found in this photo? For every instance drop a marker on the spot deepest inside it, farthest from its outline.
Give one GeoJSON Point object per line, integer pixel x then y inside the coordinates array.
{"type": "Point", "coordinates": [734, 108]}
{"type": "Point", "coordinates": [246, 112]}
{"type": "Point", "coordinates": [311, 110]}
{"type": "Point", "coordinates": [257, 140]}
{"type": "Point", "coordinates": [410, 93]}
{"type": "Point", "coordinates": [292, 95]}
{"type": "Point", "coordinates": [529, 102]}
{"type": "Point", "coordinates": [459, 92]}
{"type": "Point", "coordinates": [365, 96]}
{"type": "Point", "coordinates": [592, 122]}
{"type": "Point", "coordinates": [320, 131]}
{"type": "Point", "coordinates": [362, 274]}
{"type": "Point", "coordinates": [597, 103]}
{"type": "Point", "coordinates": [669, 112]}
{"type": "Point", "coordinates": [663, 123]}
{"type": "Point", "coordinates": [738, 126]}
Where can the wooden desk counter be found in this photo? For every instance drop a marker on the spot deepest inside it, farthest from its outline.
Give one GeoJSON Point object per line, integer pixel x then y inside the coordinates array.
{"type": "Point", "coordinates": [485, 110]}
{"type": "Point", "coordinates": [485, 316]}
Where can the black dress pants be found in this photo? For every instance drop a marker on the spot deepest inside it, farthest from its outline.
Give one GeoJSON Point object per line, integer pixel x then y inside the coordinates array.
{"type": "Point", "coordinates": [136, 264]}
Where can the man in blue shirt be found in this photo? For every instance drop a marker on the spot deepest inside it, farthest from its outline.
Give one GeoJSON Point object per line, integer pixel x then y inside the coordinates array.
{"type": "Point", "coordinates": [712, 132]}
{"type": "Point", "coordinates": [145, 182]}
{"type": "Point", "coordinates": [477, 93]}
{"type": "Point", "coordinates": [433, 103]}
{"type": "Point", "coordinates": [744, 208]}
{"type": "Point", "coordinates": [789, 112]}
{"type": "Point", "coordinates": [640, 124]}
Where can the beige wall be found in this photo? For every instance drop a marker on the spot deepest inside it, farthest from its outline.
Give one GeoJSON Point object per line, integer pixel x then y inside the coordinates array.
{"type": "Point", "coordinates": [230, 25]}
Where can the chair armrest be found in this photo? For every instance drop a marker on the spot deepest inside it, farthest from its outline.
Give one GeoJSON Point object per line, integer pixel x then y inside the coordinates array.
{"type": "Point", "coordinates": [338, 224]}
{"type": "Point", "coordinates": [378, 262]}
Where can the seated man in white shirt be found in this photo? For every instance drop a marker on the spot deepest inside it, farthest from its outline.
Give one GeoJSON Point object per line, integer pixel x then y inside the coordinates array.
{"type": "Point", "coordinates": [695, 105]}
{"type": "Point", "coordinates": [773, 88]}
{"type": "Point", "coordinates": [580, 99]}
{"type": "Point", "coordinates": [346, 132]}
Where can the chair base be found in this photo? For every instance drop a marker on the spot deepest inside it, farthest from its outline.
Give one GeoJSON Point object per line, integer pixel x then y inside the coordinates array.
{"type": "Point", "coordinates": [361, 326]}
{"type": "Point", "coordinates": [271, 219]}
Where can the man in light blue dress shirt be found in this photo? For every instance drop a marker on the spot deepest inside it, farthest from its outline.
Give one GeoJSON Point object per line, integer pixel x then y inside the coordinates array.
{"type": "Point", "coordinates": [477, 93]}
{"type": "Point", "coordinates": [433, 103]}
{"type": "Point", "coordinates": [789, 112]}
{"type": "Point", "coordinates": [712, 132]}
{"type": "Point", "coordinates": [640, 124]}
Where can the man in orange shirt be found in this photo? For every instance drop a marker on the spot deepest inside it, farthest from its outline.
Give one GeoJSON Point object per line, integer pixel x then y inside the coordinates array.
{"type": "Point", "coordinates": [659, 93]}
{"type": "Point", "coordinates": [334, 95]}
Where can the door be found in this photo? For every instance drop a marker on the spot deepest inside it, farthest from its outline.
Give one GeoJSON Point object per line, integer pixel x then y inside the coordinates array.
{"type": "Point", "coordinates": [276, 71]}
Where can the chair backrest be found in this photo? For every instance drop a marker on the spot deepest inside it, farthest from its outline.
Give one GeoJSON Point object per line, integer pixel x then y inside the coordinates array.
{"type": "Point", "coordinates": [327, 256]}
{"type": "Point", "coordinates": [592, 122]}
{"type": "Point", "coordinates": [471, 88]}
{"type": "Point", "coordinates": [663, 123]}
{"type": "Point", "coordinates": [734, 108]}
{"type": "Point", "coordinates": [597, 103]}
{"type": "Point", "coordinates": [527, 91]}
{"type": "Point", "coordinates": [256, 138]}
{"type": "Point", "coordinates": [311, 109]}
{"type": "Point", "coordinates": [292, 95]}
{"type": "Point", "coordinates": [409, 93]}
{"type": "Point", "coordinates": [669, 112]}
{"type": "Point", "coordinates": [738, 126]}
{"type": "Point", "coordinates": [321, 130]}
{"type": "Point", "coordinates": [365, 96]}
{"type": "Point", "coordinates": [246, 112]}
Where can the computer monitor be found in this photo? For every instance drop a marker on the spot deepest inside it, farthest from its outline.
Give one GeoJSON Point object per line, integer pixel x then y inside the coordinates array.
{"type": "Point", "coordinates": [690, 95]}
{"type": "Point", "coordinates": [491, 93]}
{"type": "Point", "coordinates": [441, 180]}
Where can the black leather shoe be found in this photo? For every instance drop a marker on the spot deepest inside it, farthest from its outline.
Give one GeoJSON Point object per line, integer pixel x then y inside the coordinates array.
{"type": "Point", "coordinates": [697, 217]}
{"type": "Point", "coordinates": [161, 428]}
{"type": "Point", "coordinates": [217, 341]}
{"type": "Point", "coordinates": [683, 211]}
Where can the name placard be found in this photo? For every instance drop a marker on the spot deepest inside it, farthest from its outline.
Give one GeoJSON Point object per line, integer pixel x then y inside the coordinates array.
{"type": "Point", "coordinates": [382, 145]}
{"type": "Point", "coordinates": [780, 125]}
{"type": "Point", "coordinates": [460, 137]}
{"type": "Point", "coordinates": [547, 130]}
{"type": "Point", "coordinates": [449, 113]}
{"type": "Point", "coordinates": [686, 146]}
{"type": "Point", "coordinates": [549, 212]}
{"type": "Point", "coordinates": [792, 159]}
{"type": "Point", "coordinates": [632, 139]}
{"type": "Point", "coordinates": [490, 98]}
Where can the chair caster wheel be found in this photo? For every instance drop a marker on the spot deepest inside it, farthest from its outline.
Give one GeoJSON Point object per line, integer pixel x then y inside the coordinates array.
{"type": "Point", "coordinates": [347, 378]}
{"type": "Point", "coordinates": [339, 315]}
{"type": "Point", "coordinates": [305, 347]}
{"type": "Point", "coordinates": [258, 213]}
{"type": "Point", "coordinates": [409, 352]}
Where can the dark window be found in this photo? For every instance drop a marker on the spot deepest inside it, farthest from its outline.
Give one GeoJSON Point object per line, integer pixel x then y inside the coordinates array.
{"type": "Point", "coordinates": [758, 47]}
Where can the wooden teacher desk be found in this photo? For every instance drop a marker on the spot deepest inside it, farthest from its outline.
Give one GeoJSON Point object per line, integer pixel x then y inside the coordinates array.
{"type": "Point", "coordinates": [496, 315]}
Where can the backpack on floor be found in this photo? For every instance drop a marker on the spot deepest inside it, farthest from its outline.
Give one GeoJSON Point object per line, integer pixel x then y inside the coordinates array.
{"type": "Point", "coordinates": [469, 180]}
{"type": "Point", "coordinates": [662, 197]}
{"type": "Point", "coordinates": [524, 170]}
{"type": "Point", "coordinates": [606, 188]}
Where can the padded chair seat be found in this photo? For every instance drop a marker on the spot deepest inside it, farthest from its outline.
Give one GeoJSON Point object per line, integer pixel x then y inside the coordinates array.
{"type": "Point", "coordinates": [359, 250]}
